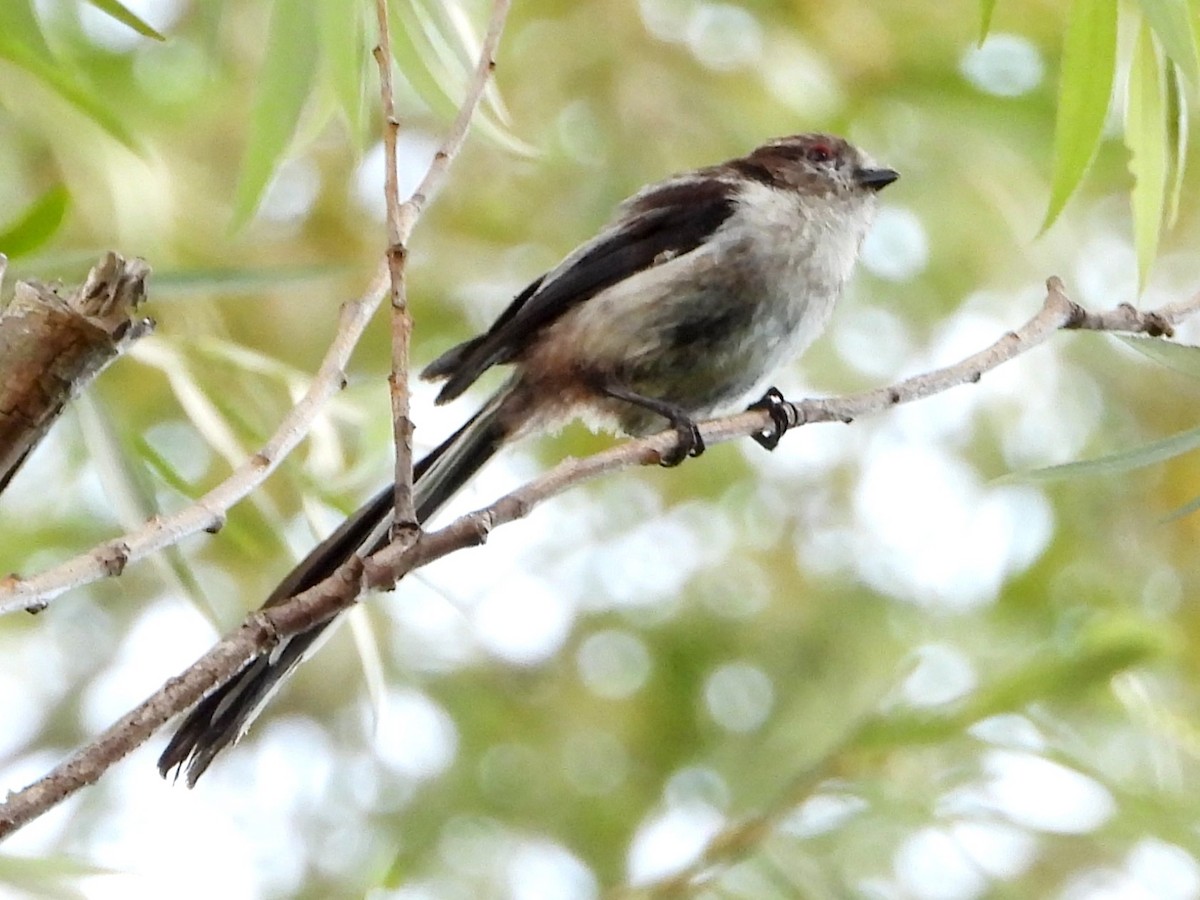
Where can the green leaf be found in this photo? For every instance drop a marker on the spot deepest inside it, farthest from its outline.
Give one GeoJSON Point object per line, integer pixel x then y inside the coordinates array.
{"type": "Point", "coordinates": [123, 15]}
{"type": "Point", "coordinates": [1141, 457]}
{"type": "Point", "coordinates": [184, 282]}
{"type": "Point", "coordinates": [1184, 358]}
{"type": "Point", "coordinates": [129, 491]}
{"type": "Point", "coordinates": [1177, 127]}
{"type": "Point", "coordinates": [343, 51]}
{"type": "Point", "coordinates": [986, 9]}
{"type": "Point", "coordinates": [19, 25]}
{"type": "Point", "coordinates": [465, 43]}
{"type": "Point", "coordinates": [1085, 87]}
{"type": "Point", "coordinates": [50, 73]}
{"type": "Point", "coordinates": [433, 68]}
{"type": "Point", "coordinates": [1146, 138]}
{"type": "Point", "coordinates": [418, 61]}
{"type": "Point", "coordinates": [284, 85]}
{"type": "Point", "coordinates": [37, 224]}
{"type": "Point", "coordinates": [1171, 21]}
{"type": "Point", "coordinates": [158, 464]}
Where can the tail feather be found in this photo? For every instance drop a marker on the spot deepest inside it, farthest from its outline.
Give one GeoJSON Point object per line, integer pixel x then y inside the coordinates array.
{"type": "Point", "coordinates": [225, 714]}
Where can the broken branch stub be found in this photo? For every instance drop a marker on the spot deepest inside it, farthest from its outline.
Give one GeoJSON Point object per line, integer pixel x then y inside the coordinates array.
{"type": "Point", "coordinates": [53, 342]}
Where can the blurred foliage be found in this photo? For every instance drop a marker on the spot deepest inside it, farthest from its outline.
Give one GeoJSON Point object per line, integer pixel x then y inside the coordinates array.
{"type": "Point", "coordinates": [1163, 66]}
{"type": "Point", "coordinates": [37, 224]}
{"type": "Point", "coordinates": [861, 664]}
{"type": "Point", "coordinates": [125, 15]}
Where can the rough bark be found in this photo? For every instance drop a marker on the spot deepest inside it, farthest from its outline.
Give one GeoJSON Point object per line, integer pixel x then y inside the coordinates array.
{"type": "Point", "coordinates": [53, 342]}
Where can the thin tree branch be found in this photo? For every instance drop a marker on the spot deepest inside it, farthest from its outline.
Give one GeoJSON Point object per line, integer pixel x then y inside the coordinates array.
{"type": "Point", "coordinates": [208, 513]}
{"type": "Point", "coordinates": [401, 218]}
{"type": "Point", "coordinates": [405, 519]}
{"type": "Point", "coordinates": [266, 627]}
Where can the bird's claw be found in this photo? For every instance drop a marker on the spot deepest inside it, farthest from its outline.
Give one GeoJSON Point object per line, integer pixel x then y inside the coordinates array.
{"type": "Point", "coordinates": [776, 406]}
{"type": "Point", "coordinates": [690, 443]}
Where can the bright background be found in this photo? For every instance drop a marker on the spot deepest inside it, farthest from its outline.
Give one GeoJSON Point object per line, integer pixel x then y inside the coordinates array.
{"type": "Point", "coordinates": [938, 685]}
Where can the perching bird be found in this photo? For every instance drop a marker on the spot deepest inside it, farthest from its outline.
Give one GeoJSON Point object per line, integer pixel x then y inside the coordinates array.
{"type": "Point", "coordinates": [682, 308]}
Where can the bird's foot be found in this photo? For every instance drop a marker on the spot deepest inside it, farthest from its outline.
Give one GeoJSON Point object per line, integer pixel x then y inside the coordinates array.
{"type": "Point", "coordinates": [777, 407]}
{"type": "Point", "coordinates": [690, 442]}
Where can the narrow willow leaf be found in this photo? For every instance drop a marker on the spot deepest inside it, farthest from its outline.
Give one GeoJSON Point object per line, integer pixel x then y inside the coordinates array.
{"type": "Point", "coordinates": [19, 25]}
{"type": "Point", "coordinates": [129, 495]}
{"type": "Point", "coordinates": [126, 17]}
{"type": "Point", "coordinates": [1184, 358]}
{"type": "Point", "coordinates": [236, 532]}
{"type": "Point", "coordinates": [1177, 126]}
{"type": "Point", "coordinates": [446, 19]}
{"type": "Point", "coordinates": [502, 137]}
{"type": "Point", "coordinates": [284, 84]}
{"type": "Point", "coordinates": [458, 23]}
{"type": "Point", "coordinates": [431, 66]}
{"type": "Point", "coordinates": [1117, 463]}
{"type": "Point", "coordinates": [162, 467]}
{"type": "Point", "coordinates": [37, 224]}
{"type": "Point", "coordinates": [129, 491]}
{"type": "Point", "coordinates": [1085, 88]}
{"type": "Point", "coordinates": [214, 424]}
{"type": "Point", "coordinates": [343, 52]}
{"type": "Point", "coordinates": [419, 62]}
{"type": "Point", "coordinates": [1146, 138]}
{"type": "Point", "coordinates": [1171, 21]}
{"type": "Point", "coordinates": [986, 9]}
{"type": "Point", "coordinates": [182, 282]}
{"type": "Point", "coordinates": [370, 657]}
{"type": "Point", "coordinates": [247, 359]}
{"type": "Point", "coordinates": [58, 79]}
{"type": "Point", "coordinates": [449, 57]}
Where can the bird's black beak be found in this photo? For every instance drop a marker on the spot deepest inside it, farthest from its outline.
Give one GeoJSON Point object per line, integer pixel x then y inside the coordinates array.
{"type": "Point", "coordinates": [876, 179]}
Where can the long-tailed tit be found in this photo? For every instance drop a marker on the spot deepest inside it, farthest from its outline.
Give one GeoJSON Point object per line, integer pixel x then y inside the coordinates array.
{"type": "Point", "coordinates": [682, 308]}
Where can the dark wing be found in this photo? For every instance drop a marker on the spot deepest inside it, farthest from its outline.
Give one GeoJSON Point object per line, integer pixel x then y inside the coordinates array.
{"type": "Point", "coordinates": [450, 361]}
{"type": "Point", "coordinates": [657, 224]}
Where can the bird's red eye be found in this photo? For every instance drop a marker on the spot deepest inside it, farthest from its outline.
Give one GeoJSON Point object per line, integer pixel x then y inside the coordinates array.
{"type": "Point", "coordinates": [820, 152]}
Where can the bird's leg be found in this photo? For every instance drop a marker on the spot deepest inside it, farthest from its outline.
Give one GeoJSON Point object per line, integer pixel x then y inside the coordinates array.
{"type": "Point", "coordinates": [690, 443]}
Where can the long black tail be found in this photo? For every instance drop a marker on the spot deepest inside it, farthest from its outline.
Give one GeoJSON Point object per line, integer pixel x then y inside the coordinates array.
{"type": "Point", "coordinates": [225, 714]}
